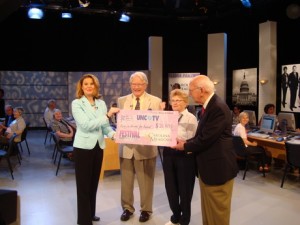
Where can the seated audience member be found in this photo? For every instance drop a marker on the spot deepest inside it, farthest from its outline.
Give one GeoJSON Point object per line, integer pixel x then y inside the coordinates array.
{"type": "Point", "coordinates": [62, 128]}
{"type": "Point", "coordinates": [49, 111]}
{"type": "Point", "coordinates": [268, 109]}
{"type": "Point", "coordinates": [17, 126]}
{"type": "Point", "coordinates": [235, 114]}
{"type": "Point", "coordinates": [113, 118]}
{"type": "Point", "coordinates": [240, 130]}
{"type": "Point", "coordinates": [9, 117]}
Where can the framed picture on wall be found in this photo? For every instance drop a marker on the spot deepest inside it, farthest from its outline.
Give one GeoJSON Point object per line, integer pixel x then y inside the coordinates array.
{"type": "Point", "coordinates": [290, 88]}
{"type": "Point", "coordinates": [244, 85]}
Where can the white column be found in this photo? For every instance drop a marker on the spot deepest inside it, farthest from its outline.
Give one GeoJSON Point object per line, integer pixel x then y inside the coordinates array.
{"type": "Point", "coordinates": [217, 61]}
{"type": "Point", "coordinates": [267, 65]}
{"type": "Point", "coordinates": [155, 65]}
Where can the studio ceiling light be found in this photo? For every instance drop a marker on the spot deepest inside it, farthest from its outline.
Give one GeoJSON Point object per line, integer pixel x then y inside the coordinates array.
{"type": "Point", "coordinates": [66, 15]}
{"type": "Point", "coordinates": [246, 3]}
{"type": "Point", "coordinates": [35, 13]}
{"type": "Point", "coordinates": [124, 18]}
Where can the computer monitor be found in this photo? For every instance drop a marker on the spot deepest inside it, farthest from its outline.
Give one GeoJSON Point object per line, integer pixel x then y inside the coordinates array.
{"type": "Point", "coordinates": [252, 117]}
{"type": "Point", "coordinates": [268, 123]}
{"type": "Point", "coordinates": [290, 119]}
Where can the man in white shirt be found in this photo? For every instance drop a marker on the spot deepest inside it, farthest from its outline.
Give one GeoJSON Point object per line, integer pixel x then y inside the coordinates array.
{"type": "Point", "coordinates": [49, 111]}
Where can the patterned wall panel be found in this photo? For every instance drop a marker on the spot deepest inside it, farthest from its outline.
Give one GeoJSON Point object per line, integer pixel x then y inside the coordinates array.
{"type": "Point", "coordinates": [32, 90]}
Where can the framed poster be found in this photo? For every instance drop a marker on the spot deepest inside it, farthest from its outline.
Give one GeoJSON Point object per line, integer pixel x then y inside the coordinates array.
{"type": "Point", "coordinates": [244, 86]}
{"type": "Point", "coordinates": [290, 88]}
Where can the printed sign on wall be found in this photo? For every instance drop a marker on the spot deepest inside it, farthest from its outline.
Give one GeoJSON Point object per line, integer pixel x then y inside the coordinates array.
{"type": "Point", "coordinates": [183, 79]}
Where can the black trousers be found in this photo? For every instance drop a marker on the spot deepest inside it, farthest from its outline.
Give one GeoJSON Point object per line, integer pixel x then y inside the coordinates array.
{"type": "Point", "coordinates": [87, 171]}
{"type": "Point", "coordinates": [284, 90]}
{"type": "Point", "coordinates": [263, 158]}
{"type": "Point", "coordinates": [179, 171]}
{"type": "Point", "coordinates": [293, 96]}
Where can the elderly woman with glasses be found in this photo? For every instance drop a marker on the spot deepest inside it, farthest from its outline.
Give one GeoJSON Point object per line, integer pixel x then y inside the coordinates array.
{"type": "Point", "coordinates": [179, 167]}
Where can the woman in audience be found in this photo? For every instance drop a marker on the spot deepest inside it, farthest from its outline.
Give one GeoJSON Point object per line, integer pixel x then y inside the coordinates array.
{"type": "Point", "coordinates": [62, 128]}
{"type": "Point", "coordinates": [63, 131]}
{"type": "Point", "coordinates": [268, 109]}
{"type": "Point", "coordinates": [240, 130]}
{"type": "Point", "coordinates": [179, 167]}
{"type": "Point", "coordinates": [17, 126]}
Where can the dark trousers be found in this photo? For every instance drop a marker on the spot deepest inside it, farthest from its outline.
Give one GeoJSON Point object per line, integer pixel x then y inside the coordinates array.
{"type": "Point", "coordinates": [179, 172]}
{"type": "Point", "coordinates": [284, 90]}
{"type": "Point", "coordinates": [293, 92]}
{"type": "Point", "coordinates": [264, 159]}
{"type": "Point", "coordinates": [87, 171]}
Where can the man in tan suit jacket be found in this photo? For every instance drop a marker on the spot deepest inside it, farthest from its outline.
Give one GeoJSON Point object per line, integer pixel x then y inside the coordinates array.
{"type": "Point", "coordinates": [138, 160]}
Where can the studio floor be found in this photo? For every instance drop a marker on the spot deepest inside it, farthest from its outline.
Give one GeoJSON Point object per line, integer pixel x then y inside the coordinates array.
{"type": "Point", "coordinates": [46, 199]}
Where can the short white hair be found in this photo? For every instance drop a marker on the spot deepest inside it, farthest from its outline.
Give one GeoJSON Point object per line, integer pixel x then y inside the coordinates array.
{"type": "Point", "coordinates": [139, 74]}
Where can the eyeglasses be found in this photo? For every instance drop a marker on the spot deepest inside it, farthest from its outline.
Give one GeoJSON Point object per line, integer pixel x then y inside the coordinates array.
{"type": "Point", "coordinates": [137, 85]}
{"type": "Point", "coordinates": [176, 101]}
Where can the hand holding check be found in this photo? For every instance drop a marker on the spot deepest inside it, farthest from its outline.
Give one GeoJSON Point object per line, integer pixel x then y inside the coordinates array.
{"type": "Point", "coordinates": [180, 145]}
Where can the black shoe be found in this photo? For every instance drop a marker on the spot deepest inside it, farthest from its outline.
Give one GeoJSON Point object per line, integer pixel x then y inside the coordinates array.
{"type": "Point", "coordinates": [95, 218]}
{"type": "Point", "coordinates": [144, 216]}
{"type": "Point", "coordinates": [126, 215]}
{"type": "Point", "coordinates": [291, 109]}
{"type": "Point", "coordinates": [294, 107]}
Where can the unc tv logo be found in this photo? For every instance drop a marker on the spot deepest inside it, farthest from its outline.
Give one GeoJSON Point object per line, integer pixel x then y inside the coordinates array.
{"type": "Point", "coordinates": [147, 117]}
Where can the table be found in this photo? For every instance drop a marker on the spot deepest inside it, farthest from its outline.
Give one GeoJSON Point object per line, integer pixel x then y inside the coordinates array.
{"type": "Point", "coordinates": [276, 148]}
{"type": "Point", "coordinates": [111, 160]}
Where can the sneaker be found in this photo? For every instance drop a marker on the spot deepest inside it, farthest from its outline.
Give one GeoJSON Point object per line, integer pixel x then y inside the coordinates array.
{"type": "Point", "coordinates": [170, 223]}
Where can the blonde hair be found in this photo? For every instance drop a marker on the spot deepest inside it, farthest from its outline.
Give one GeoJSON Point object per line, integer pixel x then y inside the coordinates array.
{"type": "Point", "coordinates": [242, 114]}
{"type": "Point", "coordinates": [181, 94]}
{"type": "Point", "coordinates": [79, 91]}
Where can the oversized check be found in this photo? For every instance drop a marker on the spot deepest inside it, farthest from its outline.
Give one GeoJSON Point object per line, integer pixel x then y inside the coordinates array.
{"type": "Point", "coordinates": [147, 127]}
